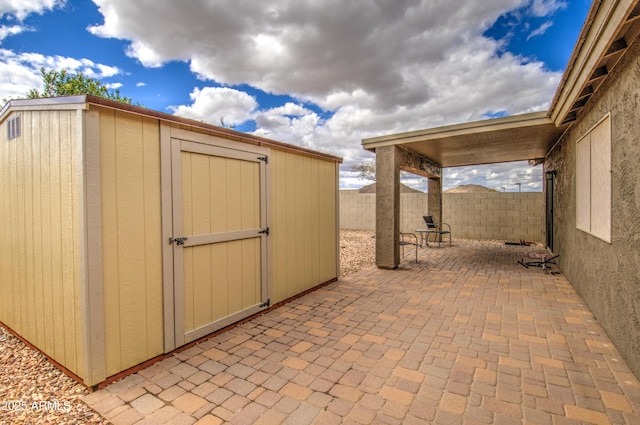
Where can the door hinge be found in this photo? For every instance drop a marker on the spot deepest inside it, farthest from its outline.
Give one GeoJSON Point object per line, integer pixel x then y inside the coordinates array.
{"type": "Point", "coordinates": [265, 231]}
{"type": "Point", "coordinates": [178, 241]}
{"type": "Point", "coordinates": [264, 159]}
{"type": "Point", "coordinates": [266, 304]}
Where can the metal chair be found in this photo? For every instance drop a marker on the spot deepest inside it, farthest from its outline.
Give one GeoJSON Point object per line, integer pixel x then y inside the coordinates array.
{"type": "Point", "coordinates": [404, 242]}
{"type": "Point", "coordinates": [435, 228]}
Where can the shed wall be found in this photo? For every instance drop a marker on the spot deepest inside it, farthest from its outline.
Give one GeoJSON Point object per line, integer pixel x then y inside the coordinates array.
{"type": "Point", "coordinates": [131, 238]}
{"type": "Point", "coordinates": [42, 234]}
{"type": "Point", "coordinates": [304, 222]}
{"type": "Point", "coordinates": [606, 274]}
{"type": "Point", "coordinates": [81, 263]}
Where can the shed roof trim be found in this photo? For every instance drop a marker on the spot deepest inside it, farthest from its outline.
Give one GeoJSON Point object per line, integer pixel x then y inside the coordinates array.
{"type": "Point", "coordinates": [84, 101]}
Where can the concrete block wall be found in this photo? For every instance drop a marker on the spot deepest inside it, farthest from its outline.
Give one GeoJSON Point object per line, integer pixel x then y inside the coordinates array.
{"type": "Point", "coordinates": [499, 216]}
{"type": "Point", "coordinates": [412, 207]}
{"type": "Point", "coordinates": [512, 216]}
{"type": "Point", "coordinates": [357, 210]}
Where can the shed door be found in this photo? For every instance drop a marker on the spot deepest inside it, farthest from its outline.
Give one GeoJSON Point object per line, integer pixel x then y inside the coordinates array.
{"type": "Point", "coordinates": [219, 208]}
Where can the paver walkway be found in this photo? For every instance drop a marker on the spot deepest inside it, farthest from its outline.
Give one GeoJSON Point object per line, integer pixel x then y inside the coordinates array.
{"type": "Point", "coordinates": [466, 336]}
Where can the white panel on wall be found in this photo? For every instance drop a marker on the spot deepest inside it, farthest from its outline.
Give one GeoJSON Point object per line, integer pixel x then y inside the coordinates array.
{"type": "Point", "coordinates": [601, 180]}
{"type": "Point", "coordinates": [583, 184]}
{"type": "Point", "coordinates": [593, 181]}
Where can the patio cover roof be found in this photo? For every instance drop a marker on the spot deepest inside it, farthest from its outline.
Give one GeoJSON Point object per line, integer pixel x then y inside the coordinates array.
{"type": "Point", "coordinates": [513, 138]}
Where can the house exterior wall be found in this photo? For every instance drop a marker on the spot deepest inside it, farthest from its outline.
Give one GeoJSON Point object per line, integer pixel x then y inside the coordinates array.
{"type": "Point", "coordinates": [131, 238]}
{"type": "Point", "coordinates": [607, 275]}
{"type": "Point", "coordinates": [304, 221]}
{"type": "Point", "coordinates": [42, 234]}
{"type": "Point", "coordinates": [502, 216]}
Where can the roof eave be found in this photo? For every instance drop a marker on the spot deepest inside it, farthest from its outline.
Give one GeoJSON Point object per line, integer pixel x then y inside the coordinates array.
{"type": "Point", "coordinates": [467, 128]}
{"type": "Point", "coordinates": [601, 28]}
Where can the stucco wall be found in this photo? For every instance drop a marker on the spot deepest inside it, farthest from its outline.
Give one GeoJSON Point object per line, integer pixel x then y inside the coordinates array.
{"type": "Point", "coordinates": [502, 216]}
{"type": "Point", "coordinates": [607, 275]}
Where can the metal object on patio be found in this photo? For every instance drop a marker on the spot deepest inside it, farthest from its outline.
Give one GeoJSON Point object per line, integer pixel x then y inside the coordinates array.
{"type": "Point", "coordinates": [541, 260]}
{"type": "Point", "coordinates": [404, 243]}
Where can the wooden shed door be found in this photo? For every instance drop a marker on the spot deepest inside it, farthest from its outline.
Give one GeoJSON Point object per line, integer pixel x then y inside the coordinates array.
{"type": "Point", "coordinates": [220, 231]}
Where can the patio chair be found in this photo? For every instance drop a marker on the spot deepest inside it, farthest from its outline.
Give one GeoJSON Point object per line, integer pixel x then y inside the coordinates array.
{"type": "Point", "coordinates": [404, 242]}
{"type": "Point", "coordinates": [435, 228]}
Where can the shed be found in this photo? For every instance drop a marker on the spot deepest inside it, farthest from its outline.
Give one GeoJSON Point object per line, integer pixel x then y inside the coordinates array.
{"type": "Point", "coordinates": [128, 233]}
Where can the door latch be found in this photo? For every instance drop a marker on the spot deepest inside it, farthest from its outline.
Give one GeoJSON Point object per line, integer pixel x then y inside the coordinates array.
{"type": "Point", "coordinates": [178, 241]}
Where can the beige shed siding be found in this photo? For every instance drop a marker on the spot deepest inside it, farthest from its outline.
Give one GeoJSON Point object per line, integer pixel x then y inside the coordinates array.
{"type": "Point", "coordinates": [39, 267]}
{"type": "Point", "coordinates": [83, 242]}
{"type": "Point", "coordinates": [303, 222]}
{"type": "Point", "coordinates": [132, 253]}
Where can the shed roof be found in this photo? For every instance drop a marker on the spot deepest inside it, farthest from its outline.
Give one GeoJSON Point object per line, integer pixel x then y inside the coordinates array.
{"type": "Point", "coordinates": [611, 26]}
{"type": "Point", "coordinates": [85, 101]}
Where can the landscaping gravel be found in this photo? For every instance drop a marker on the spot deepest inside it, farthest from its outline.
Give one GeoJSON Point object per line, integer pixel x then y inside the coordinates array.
{"type": "Point", "coordinates": [33, 391]}
{"type": "Point", "coordinates": [357, 251]}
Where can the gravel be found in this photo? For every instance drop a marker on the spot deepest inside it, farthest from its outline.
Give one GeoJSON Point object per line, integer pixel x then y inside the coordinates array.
{"type": "Point", "coordinates": [33, 391]}
{"type": "Point", "coordinates": [357, 251]}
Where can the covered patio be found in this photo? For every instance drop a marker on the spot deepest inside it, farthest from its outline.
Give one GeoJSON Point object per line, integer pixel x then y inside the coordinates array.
{"type": "Point", "coordinates": [465, 336]}
{"type": "Point", "coordinates": [427, 152]}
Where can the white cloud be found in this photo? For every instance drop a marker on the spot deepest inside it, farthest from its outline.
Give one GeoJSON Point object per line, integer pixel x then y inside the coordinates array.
{"type": "Point", "coordinates": [375, 67]}
{"type": "Point", "coordinates": [540, 30]}
{"type": "Point", "coordinates": [21, 8]}
{"type": "Point", "coordinates": [310, 50]}
{"type": "Point", "coordinates": [502, 177]}
{"type": "Point", "coordinates": [211, 104]}
{"type": "Point", "coordinates": [140, 84]}
{"type": "Point", "coordinates": [6, 31]}
{"type": "Point", "coordinates": [16, 78]}
{"type": "Point", "coordinates": [546, 7]}
{"type": "Point", "coordinates": [20, 72]}
{"type": "Point", "coordinates": [11, 10]}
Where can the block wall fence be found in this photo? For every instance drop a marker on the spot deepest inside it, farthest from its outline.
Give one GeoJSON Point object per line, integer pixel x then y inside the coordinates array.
{"type": "Point", "coordinates": [512, 216]}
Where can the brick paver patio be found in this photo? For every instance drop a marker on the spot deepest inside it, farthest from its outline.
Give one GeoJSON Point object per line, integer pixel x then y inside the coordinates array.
{"type": "Point", "coordinates": [466, 336]}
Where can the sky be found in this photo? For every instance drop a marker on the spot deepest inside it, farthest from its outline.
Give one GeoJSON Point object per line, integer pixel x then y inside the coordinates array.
{"type": "Point", "coordinates": [322, 74]}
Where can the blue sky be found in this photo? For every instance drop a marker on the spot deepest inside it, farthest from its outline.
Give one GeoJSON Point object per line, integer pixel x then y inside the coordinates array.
{"type": "Point", "coordinates": [322, 75]}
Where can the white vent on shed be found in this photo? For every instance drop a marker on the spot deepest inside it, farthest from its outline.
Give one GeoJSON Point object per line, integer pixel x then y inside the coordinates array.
{"type": "Point", "coordinates": [13, 128]}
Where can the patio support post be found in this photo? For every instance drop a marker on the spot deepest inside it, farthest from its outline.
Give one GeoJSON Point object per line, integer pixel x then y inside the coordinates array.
{"type": "Point", "coordinates": [387, 207]}
{"type": "Point", "coordinates": [434, 198]}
